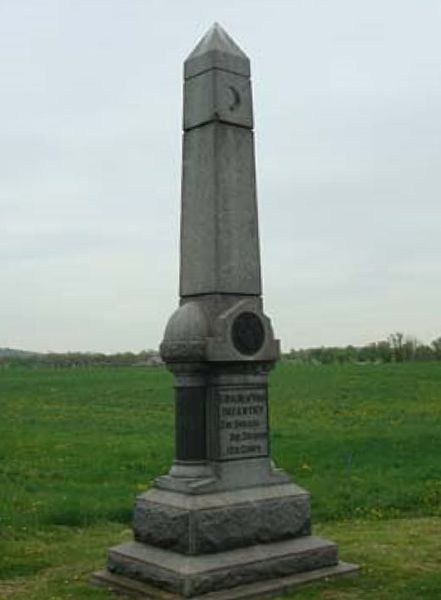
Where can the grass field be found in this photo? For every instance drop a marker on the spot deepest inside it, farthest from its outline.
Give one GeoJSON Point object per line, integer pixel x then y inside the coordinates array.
{"type": "Point", "coordinates": [77, 445]}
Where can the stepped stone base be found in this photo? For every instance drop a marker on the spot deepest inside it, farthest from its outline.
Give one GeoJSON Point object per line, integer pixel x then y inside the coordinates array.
{"type": "Point", "coordinates": [206, 523]}
{"type": "Point", "coordinates": [143, 571]}
{"type": "Point", "coordinates": [251, 591]}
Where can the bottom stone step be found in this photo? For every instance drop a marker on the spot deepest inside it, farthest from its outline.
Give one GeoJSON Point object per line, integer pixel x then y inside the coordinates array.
{"type": "Point", "coordinates": [251, 591]}
{"type": "Point", "coordinates": [185, 576]}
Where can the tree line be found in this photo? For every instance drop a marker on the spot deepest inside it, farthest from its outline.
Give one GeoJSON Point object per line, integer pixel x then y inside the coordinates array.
{"type": "Point", "coordinates": [396, 348]}
{"type": "Point", "coordinates": [10, 357]}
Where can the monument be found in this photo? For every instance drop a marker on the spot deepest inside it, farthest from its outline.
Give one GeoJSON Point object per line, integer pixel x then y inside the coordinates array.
{"type": "Point", "coordinates": [224, 523]}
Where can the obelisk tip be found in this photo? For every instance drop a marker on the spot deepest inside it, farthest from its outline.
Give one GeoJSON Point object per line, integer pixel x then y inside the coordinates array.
{"type": "Point", "coordinates": [217, 50]}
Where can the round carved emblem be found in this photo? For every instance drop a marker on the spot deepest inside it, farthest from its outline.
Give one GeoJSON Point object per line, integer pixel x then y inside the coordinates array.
{"type": "Point", "coordinates": [248, 333]}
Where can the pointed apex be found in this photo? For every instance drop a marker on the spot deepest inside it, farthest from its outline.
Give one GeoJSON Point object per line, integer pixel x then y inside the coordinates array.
{"type": "Point", "coordinates": [217, 39]}
{"type": "Point", "coordinates": [217, 50]}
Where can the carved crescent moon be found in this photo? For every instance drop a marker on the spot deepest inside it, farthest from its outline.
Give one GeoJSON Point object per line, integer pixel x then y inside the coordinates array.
{"type": "Point", "coordinates": [236, 98]}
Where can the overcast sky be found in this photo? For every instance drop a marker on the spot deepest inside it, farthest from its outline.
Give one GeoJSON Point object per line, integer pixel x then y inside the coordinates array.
{"type": "Point", "coordinates": [348, 139]}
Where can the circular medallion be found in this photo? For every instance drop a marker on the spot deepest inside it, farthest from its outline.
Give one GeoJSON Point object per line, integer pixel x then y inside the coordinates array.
{"type": "Point", "coordinates": [247, 333]}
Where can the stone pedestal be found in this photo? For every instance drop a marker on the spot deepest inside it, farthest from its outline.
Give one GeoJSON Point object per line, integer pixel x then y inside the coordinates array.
{"type": "Point", "coordinates": [224, 523]}
{"type": "Point", "coordinates": [276, 567]}
{"type": "Point", "coordinates": [194, 524]}
{"type": "Point", "coordinates": [248, 542]}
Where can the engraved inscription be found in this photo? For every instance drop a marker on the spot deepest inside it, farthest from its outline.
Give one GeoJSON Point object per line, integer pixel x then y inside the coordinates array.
{"type": "Point", "coordinates": [243, 423]}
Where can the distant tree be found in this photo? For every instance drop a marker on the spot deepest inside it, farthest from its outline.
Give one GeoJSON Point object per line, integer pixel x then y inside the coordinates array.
{"type": "Point", "coordinates": [410, 347]}
{"type": "Point", "coordinates": [396, 341]}
{"type": "Point", "coordinates": [384, 351]}
{"type": "Point", "coordinates": [436, 348]}
{"type": "Point", "coordinates": [424, 352]}
{"type": "Point", "coordinates": [367, 353]}
{"type": "Point", "coordinates": [351, 353]}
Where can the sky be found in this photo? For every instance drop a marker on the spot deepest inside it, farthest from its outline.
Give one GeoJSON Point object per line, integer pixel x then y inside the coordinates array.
{"type": "Point", "coordinates": [347, 103]}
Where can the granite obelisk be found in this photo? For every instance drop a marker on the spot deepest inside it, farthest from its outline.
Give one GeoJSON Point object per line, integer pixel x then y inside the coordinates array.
{"type": "Point", "coordinates": [224, 521]}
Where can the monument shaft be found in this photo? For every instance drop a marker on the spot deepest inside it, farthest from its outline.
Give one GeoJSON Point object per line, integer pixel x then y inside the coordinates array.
{"type": "Point", "coordinates": [219, 233]}
{"type": "Point", "coordinates": [224, 517]}
{"type": "Point", "coordinates": [219, 242]}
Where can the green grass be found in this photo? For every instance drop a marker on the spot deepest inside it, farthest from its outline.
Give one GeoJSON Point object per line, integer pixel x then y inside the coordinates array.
{"type": "Point", "coordinates": [77, 445]}
{"type": "Point", "coordinates": [366, 440]}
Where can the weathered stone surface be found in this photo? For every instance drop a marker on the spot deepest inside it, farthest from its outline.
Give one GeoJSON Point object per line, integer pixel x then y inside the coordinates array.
{"type": "Point", "coordinates": [162, 525]}
{"type": "Point", "coordinates": [222, 476]}
{"type": "Point", "coordinates": [193, 575]}
{"type": "Point", "coordinates": [202, 331]}
{"type": "Point", "coordinates": [219, 231]}
{"type": "Point", "coordinates": [256, 522]}
{"type": "Point", "coordinates": [218, 522]}
{"type": "Point", "coordinates": [251, 591]}
{"type": "Point", "coordinates": [218, 96]}
{"type": "Point", "coordinates": [217, 50]}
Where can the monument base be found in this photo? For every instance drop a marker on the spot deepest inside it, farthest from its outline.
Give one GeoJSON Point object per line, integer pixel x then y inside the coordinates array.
{"type": "Point", "coordinates": [195, 524]}
{"type": "Point", "coordinates": [263, 570]}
